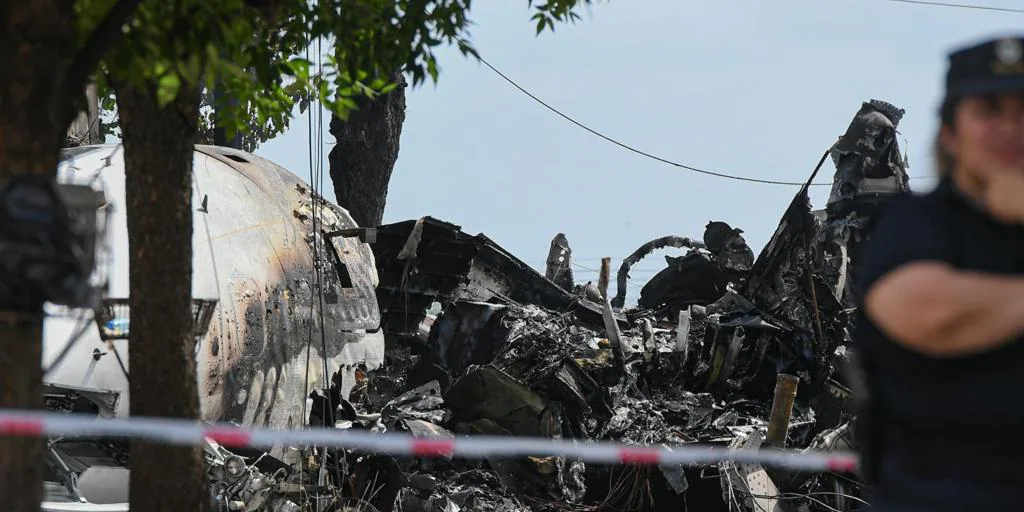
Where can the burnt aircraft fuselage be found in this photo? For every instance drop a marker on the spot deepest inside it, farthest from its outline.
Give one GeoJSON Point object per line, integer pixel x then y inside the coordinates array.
{"type": "Point", "coordinates": [255, 250]}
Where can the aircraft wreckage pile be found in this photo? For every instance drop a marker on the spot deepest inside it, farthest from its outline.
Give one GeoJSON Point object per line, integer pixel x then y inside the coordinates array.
{"type": "Point", "coordinates": [480, 343]}
{"type": "Point", "coordinates": [515, 353]}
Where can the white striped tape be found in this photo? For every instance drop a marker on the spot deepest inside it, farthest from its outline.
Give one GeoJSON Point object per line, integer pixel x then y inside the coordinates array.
{"type": "Point", "coordinates": [20, 423]}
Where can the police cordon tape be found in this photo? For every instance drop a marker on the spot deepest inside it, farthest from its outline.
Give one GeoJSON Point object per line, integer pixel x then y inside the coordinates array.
{"type": "Point", "coordinates": [20, 423]}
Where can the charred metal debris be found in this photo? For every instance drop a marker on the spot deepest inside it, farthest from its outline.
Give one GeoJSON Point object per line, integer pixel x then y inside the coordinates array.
{"type": "Point", "coordinates": [722, 348]}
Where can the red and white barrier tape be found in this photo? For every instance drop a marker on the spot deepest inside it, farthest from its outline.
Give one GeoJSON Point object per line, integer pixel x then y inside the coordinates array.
{"type": "Point", "coordinates": [185, 432]}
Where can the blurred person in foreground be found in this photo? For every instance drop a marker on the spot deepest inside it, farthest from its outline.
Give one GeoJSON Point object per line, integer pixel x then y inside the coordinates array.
{"type": "Point", "coordinates": [940, 334]}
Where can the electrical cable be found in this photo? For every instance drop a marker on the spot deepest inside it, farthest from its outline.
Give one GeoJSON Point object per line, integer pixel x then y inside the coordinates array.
{"type": "Point", "coordinates": [631, 149]}
{"type": "Point", "coordinates": [577, 265]}
{"type": "Point", "coordinates": [642, 153]}
{"type": "Point", "coordinates": [309, 342]}
{"type": "Point", "coordinates": [316, 232]}
{"type": "Point", "coordinates": [321, 201]}
{"type": "Point", "coordinates": [960, 6]}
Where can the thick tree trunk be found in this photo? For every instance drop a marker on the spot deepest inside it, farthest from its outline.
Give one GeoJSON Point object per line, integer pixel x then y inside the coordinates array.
{"type": "Point", "coordinates": [36, 41]}
{"type": "Point", "coordinates": [365, 152]}
{"type": "Point", "coordinates": [158, 152]}
{"type": "Point", "coordinates": [21, 459]}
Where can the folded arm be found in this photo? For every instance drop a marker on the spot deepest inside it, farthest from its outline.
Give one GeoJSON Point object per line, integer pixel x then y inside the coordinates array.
{"type": "Point", "coordinates": [934, 309]}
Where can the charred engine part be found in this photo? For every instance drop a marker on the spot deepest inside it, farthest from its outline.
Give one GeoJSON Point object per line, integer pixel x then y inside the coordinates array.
{"type": "Point", "coordinates": [658, 243]}
{"type": "Point", "coordinates": [699, 277]}
{"type": "Point", "coordinates": [730, 249]}
{"type": "Point", "coordinates": [243, 485]}
{"type": "Point", "coordinates": [558, 266]}
{"type": "Point", "coordinates": [691, 279]}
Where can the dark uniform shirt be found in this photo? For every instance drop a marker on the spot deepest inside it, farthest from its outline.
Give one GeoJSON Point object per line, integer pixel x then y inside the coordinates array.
{"type": "Point", "coordinates": [941, 434]}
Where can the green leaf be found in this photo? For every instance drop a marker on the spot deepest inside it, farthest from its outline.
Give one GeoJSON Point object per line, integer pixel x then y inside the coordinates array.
{"type": "Point", "coordinates": [263, 64]}
{"type": "Point", "coordinates": [167, 88]}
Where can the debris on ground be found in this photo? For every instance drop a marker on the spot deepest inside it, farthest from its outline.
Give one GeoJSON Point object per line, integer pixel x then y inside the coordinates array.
{"type": "Point", "coordinates": [480, 343]}
{"type": "Point", "coordinates": [509, 351]}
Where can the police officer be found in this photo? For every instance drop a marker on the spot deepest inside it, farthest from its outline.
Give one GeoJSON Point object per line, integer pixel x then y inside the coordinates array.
{"type": "Point", "coordinates": [940, 334]}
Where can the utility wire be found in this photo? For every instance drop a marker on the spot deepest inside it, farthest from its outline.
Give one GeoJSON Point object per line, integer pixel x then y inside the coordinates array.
{"type": "Point", "coordinates": [629, 148]}
{"type": "Point", "coordinates": [632, 149]}
{"type": "Point", "coordinates": [961, 6]}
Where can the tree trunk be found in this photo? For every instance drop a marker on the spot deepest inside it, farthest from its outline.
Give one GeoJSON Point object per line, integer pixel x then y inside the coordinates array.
{"type": "Point", "coordinates": [158, 152]}
{"type": "Point", "coordinates": [36, 42]}
{"type": "Point", "coordinates": [365, 152]}
{"type": "Point", "coordinates": [21, 459]}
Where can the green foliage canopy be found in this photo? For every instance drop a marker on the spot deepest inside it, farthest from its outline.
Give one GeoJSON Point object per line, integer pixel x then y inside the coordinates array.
{"type": "Point", "coordinates": [256, 52]}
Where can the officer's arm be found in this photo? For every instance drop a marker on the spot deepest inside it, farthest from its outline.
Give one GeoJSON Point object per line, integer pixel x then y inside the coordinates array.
{"type": "Point", "coordinates": [932, 308]}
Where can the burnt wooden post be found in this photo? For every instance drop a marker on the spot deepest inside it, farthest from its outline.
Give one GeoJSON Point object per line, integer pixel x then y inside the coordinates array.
{"type": "Point", "coordinates": [782, 409]}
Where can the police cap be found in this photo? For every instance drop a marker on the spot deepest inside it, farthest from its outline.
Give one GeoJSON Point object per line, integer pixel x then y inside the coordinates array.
{"type": "Point", "coordinates": [992, 67]}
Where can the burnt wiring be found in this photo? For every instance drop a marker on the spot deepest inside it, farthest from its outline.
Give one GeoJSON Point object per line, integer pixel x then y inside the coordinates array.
{"type": "Point", "coordinates": [793, 496]}
{"type": "Point", "coordinates": [786, 496]}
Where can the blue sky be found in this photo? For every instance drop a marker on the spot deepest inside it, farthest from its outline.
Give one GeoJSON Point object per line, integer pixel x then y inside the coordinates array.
{"type": "Point", "coordinates": [757, 88]}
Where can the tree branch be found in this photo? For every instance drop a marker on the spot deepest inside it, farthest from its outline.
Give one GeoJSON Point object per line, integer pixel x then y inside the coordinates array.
{"type": "Point", "coordinates": [106, 35]}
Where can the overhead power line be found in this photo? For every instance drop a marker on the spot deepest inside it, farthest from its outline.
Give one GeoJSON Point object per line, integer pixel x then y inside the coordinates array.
{"type": "Point", "coordinates": [627, 147]}
{"type": "Point", "coordinates": [645, 154]}
{"type": "Point", "coordinates": [960, 6]}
